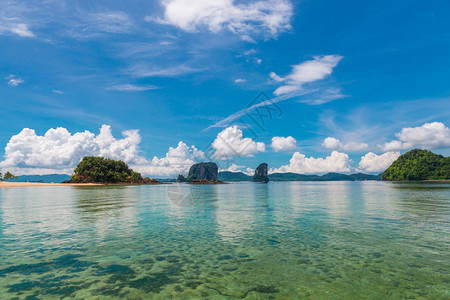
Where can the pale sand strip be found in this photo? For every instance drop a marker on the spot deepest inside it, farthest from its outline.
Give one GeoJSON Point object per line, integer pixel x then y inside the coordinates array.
{"type": "Point", "coordinates": [26, 184]}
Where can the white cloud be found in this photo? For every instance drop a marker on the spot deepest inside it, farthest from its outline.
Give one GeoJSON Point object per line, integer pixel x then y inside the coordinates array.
{"type": "Point", "coordinates": [250, 52]}
{"type": "Point", "coordinates": [131, 88]}
{"type": "Point", "coordinates": [237, 168]}
{"type": "Point", "coordinates": [59, 151]}
{"type": "Point", "coordinates": [142, 70]}
{"type": "Point", "coordinates": [299, 163]}
{"type": "Point", "coordinates": [335, 144]}
{"type": "Point", "coordinates": [308, 71]}
{"type": "Point", "coordinates": [14, 81]}
{"type": "Point", "coordinates": [428, 136]}
{"type": "Point", "coordinates": [111, 22]}
{"type": "Point", "coordinates": [87, 24]}
{"type": "Point", "coordinates": [177, 161]}
{"type": "Point", "coordinates": [240, 80]}
{"type": "Point", "coordinates": [58, 92]}
{"type": "Point", "coordinates": [21, 30]}
{"type": "Point", "coordinates": [230, 143]}
{"type": "Point", "coordinates": [323, 96]}
{"type": "Point", "coordinates": [377, 163]}
{"type": "Point", "coordinates": [280, 143]}
{"type": "Point", "coordinates": [269, 17]}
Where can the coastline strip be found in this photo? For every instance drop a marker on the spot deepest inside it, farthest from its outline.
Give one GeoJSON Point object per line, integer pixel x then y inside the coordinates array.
{"type": "Point", "coordinates": [31, 184]}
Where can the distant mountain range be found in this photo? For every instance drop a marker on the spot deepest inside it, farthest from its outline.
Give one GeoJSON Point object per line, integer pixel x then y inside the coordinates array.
{"type": "Point", "coordinates": [239, 176]}
{"type": "Point", "coordinates": [52, 178]}
{"type": "Point", "coordinates": [225, 176]}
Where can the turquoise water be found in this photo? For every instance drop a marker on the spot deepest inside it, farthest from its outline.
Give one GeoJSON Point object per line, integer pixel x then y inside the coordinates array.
{"type": "Point", "coordinates": [286, 240]}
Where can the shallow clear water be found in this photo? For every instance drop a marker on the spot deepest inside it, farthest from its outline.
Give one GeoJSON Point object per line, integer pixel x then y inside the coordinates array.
{"type": "Point", "coordinates": [291, 240]}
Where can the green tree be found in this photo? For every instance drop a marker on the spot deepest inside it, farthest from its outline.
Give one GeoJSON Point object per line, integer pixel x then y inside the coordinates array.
{"type": "Point", "coordinates": [7, 176]}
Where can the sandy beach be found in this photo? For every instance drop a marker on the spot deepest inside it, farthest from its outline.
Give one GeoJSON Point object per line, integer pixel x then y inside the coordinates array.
{"type": "Point", "coordinates": [31, 184]}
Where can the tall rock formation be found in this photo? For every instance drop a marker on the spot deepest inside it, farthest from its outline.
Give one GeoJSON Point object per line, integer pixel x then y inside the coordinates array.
{"type": "Point", "coordinates": [203, 171]}
{"type": "Point", "coordinates": [261, 174]}
{"type": "Point", "coordinates": [181, 178]}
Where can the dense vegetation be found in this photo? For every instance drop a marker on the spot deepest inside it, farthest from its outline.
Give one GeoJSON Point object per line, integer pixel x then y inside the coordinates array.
{"type": "Point", "coordinates": [104, 170]}
{"type": "Point", "coordinates": [419, 164]}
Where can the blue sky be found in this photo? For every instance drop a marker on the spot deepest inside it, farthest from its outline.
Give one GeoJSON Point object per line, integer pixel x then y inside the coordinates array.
{"type": "Point", "coordinates": [373, 78]}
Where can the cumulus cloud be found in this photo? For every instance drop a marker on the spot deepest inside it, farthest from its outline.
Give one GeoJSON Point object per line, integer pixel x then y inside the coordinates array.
{"type": "Point", "coordinates": [280, 143]}
{"type": "Point", "coordinates": [230, 143]}
{"type": "Point", "coordinates": [14, 81]}
{"type": "Point", "coordinates": [59, 151]}
{"type": "Point", "coordinates": [377, 163]}
{"type": "Point", "coordinates": [308, 71]}
{"type": "Point", "coordinates": [335, 144]}
{"type": "Point", "coordinates": [131, 88]}
{"type": "Point", "coordinates": [428, 136]}
{"type": "Point", "coordinates": [237, 168]}
{"type": "Point", "coordinates": [177, 161]}
{"type": "Point", "coordinates": [269, 17]}
{"type": "Point", "coordinates": [299, 163]}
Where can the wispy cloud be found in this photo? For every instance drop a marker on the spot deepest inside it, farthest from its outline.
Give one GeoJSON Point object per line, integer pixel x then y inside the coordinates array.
{"type": "Point", "coordinates": [21, 30]}
{"type": "Point", "coordinates": [240, 80]}
{"type": "Point", "coordinates": [14, 81]}
{"type": "Point", "coordinates": [235, 116]}
{"type": "Point", "coordinates": [58, 92]}
{"type": "Point", "coordinates": [131, 88]}
{"type": "Point", "coordinates": [335, 144]}
{"type": "Point", "coordinates": [323, 96]}
{"type": "Point", "coordinates": [86, 24]}
{"type": "Point", "coordinates": [305, 72]}
{"type": "Point", "coordinates": [173, 71]}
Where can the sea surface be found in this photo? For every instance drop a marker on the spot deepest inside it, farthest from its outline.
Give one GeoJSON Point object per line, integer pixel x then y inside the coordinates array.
{"type": "Point", "coordinates": [281, 240]}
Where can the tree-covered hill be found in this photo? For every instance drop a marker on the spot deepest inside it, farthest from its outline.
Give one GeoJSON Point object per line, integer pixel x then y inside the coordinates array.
{"type": "Point", "coordinates": [93, 169]}
{"type": "Point", "coordinates": [233, 176]}
{"type": "Point", "coordinates": [419, 164]}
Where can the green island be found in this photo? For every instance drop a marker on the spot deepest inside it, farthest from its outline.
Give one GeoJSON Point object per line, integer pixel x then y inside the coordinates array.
{"type": "Point", "coordinates": [93, 169]}
{"type": "Point", "coordinates": [418, 164]}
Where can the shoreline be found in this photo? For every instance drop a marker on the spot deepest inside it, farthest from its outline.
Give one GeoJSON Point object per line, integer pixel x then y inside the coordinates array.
{"type": "Point", "coordinates": [4, 184]}
{"type": "Point", "coordinates": [36, 184]}
{"type": "Point", "coordinates": [31, 184]}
